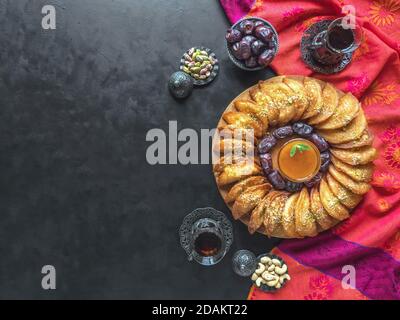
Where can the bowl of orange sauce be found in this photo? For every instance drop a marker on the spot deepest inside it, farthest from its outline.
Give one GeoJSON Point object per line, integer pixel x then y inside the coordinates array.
{"type": "Point", "coordinates": [298, 160]}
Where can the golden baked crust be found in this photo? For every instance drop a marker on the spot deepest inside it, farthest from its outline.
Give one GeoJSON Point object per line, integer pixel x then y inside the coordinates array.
{"type": "Point", "coordinates": [323, 219]}
{"type": "Point", "coordinates": [241, 186]}
{"type": "Point", "coordinates": [331, 203]}
{"type": "Point", "coordinates": [273, 217]}
{"type": "Point", "coordinates": [237, 171]}
{"type": "Point", "coordinates": [266, 102]}
{"type": "Point", "coordinates": [365, 139]}
{"type": "Point", "coordinates": [249, 106]}
{"type": "Point", "coordinates": [249, 199]}
{"type": "Point", "coordinates": [314, 95]}
{"type": "Point", "coordinates": [336, 116]}
{"type": "Point", "coordinates": [345, 196]}
{"type": "Point", "coordinates": [258, 214]}
{"type": "Point", "coordinates": [345, 111]}
{"type": "Point", "coordinates": [356, 187]}
{"type": "Point", "coordinates": [235, 147]}
{"type": "Point", "coordinates": [304, 219]}
{"type": "Point", "coordinates": [300, 94]}
{"type": "Point", "coordinates": [361, 173]}
{"type": "Point", "coordinates": [363, 155]}
{"type": "Point", "coordinates": [244, 120]}
{"type": "Point", "coordinates": [348, 133]}
{"type": "Point", "coordinates": [288, 218]}
{"type": "Point", "coordinates": [284, 99]}
{"type": "Point", "coordinates": [330, 100]}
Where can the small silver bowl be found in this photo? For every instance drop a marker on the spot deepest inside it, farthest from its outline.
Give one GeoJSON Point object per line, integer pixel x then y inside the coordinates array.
{"type": "Point", "coordinates": [214, 72]}
{"type": "Point", "coordinates": [240, 63]}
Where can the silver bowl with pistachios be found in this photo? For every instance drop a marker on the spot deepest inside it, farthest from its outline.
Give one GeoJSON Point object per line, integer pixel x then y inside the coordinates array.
{"type": "Point", "coordinates": [271, 273]}
{"type": "Point", "coordinates": [201, 64]}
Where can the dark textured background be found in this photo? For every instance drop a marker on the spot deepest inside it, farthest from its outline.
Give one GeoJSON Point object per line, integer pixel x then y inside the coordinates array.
{"type": "Point", "coordinates": [76, 191]}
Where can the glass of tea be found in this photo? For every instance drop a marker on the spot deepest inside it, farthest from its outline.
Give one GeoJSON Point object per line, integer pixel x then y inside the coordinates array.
{"type": "Point", "coordinates": [207, 242]}
{"type": "Point", "coordinates": [343, 36]}
{"type": "Point", "coordinates": [206, 235]}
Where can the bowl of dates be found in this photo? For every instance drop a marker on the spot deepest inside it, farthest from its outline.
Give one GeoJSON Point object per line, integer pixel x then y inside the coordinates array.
{"type": "Point", "coordinates": [252, 43]}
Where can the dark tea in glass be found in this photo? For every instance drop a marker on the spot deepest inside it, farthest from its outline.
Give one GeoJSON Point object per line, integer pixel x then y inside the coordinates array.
{"type": "Point", "coordinates": [329, 46]}
{"type": "Point", "coordinates": [206, 236]}
{"type": "Point", "coordinates": [340, 39]}
{"type": "Point", "coordinates": [207, 244]}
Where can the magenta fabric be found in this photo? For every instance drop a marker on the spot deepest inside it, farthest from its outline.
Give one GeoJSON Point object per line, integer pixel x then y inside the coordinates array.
{"type": "Point", "coordinates": [236, 9]}
{"type": "Point", "coordinates": [378, 273]}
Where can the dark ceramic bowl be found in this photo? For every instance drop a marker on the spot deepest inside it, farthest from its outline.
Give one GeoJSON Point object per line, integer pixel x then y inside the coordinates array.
{"type": "Point", "coordinates": [214, 72]}
{"type": "Point", "coordinates": [240, 63]}
{"type": "Point", "coordinates": [263, 286]}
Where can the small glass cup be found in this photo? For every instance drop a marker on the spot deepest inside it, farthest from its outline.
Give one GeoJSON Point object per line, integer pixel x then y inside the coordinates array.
{"type": "Point", "coordinates": [206, 235]}
{"type": "Point", "coordinates": [208, 244]}
{"type": "Point", "coordinates": [340, 38]}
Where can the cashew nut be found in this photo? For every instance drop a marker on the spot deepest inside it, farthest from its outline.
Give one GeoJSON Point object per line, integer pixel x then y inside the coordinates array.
{"type": "Point", "coordinates": [272, 283]}
{"type": "Point", "coordinates": [271, 272]}
{"type": "Point", "coordinates": [254, 276]}
{"type": "Point", "coordinates": [282, 278]}
{"type": "Point", "coordinates": [281, 270]}
{"type": "Point", "coordinates": [259, 281]}
{"type": "Point", "coordinates": [267, 276]}
{"type": "Point", "coordinates": [271, 267]}
{"type": "Point", "coordinates": [265, 259]}
{"type": "Point", "coordinates": [276, 262]}
{"type": "Point", "coordinates": [260, 269]}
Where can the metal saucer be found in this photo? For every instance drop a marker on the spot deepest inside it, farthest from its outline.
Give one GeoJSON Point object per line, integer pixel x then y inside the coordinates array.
{"type": "Point", "coordinates": [306, 54]}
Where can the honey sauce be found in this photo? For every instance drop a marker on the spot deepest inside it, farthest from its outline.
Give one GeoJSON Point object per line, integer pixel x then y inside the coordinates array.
{"type": "Point", "coordinates": [298, 160]}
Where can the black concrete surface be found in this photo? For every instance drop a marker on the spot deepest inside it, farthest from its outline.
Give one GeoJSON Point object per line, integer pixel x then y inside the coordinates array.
{"type": "Point", "coordinates": [76, 191]}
